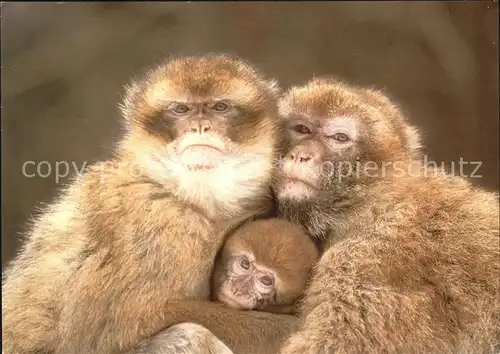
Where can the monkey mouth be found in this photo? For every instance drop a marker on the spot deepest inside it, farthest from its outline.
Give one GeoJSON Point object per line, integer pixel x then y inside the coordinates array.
{"type": "Point", "coordinates": [201, 147]}
{"type": "Point", "coordinates": [295, 175]}
{"type": "Point", "coordinates": [296, 188]}
{"type": "Point", "coordinates": [300, 181]}
{"type": "Point", "coordinates": [232, 303]}
{"type": "Point", "coordinates": [201, 157]}
{"type": "Point", "coordinates": [201, 167]}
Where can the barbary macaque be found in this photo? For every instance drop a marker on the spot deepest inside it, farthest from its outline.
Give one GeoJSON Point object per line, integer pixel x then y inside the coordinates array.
{"type": "Point", "coordinates": [412, 253]}
{"type": "Point", "coordinates": [127, 250]}
{"type": "Point", "coordinates": [264, 265]}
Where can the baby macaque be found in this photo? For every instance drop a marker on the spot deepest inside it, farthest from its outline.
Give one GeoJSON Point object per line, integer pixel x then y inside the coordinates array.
{"type": "Point", "coordinates": [264, 265]}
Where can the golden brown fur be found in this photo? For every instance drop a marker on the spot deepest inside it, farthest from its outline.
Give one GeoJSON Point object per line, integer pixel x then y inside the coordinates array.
{"type": "Point", "coordinates": [412, 259]}
{"type": "Point", "coordinates": [105, 265]}
{"type": "Point", "coordinates": [277, 247]}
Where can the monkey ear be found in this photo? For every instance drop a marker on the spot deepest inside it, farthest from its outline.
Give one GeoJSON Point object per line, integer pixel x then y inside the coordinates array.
{"type": "Point", "coordinates": [413, 141]}
{"type": "Point", "coordinates": [274, 86]}
{"type": "Point", "coordinates": [378, 97]}
{"type": "Point", "coordinates": [411, 135]}
{"type": "Point", "coordinates": [284, 107]}
{"type": "Point", "coordinates": [130, 100]}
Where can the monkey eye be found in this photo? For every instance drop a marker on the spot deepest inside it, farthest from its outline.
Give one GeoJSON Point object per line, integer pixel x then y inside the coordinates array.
{"type": "Point", "coordinates": [266, 280]}
{"type": "Point", "coordinates": [220, 106]}
{"type": "Point", "coordinates": [340, 137]}
{"type": "Point", "coordinates": [180, 108]}
{"type": "Point", "coordinates": [301, 129]}
{"type": "Point", "coordinates": [245, 263]}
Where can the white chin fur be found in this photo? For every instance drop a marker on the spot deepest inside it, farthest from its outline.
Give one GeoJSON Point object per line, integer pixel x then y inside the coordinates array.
{"type": "Point", "coordinates": [201, 156]}
{"type": "Point", "coordinates": [220, 189]}
{"type": "Point", "coordinates": [295, 190]}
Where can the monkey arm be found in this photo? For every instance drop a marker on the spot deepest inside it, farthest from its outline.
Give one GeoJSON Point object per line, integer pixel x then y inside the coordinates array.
{"type": "Point", "coordinates": [188, 338]}
{"type": "Point", "coordinates": [283, 309]}
{"type": "Point", "coordinates": [249, 332]}
{"type": "Point", "coordinates": [352, 305]}
{"type": "Point", "coordinates": [108, 311]}
{"type": "Point", "coordinates": [118, 316]}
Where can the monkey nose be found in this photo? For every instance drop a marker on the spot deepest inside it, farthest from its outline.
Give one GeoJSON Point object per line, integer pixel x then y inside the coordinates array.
{"type": "Point", "coordinates": [300, 157]}
{"type": "Point", "coordinates": [201, 127]}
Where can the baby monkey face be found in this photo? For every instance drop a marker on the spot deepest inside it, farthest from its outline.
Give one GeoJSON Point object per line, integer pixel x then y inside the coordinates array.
{"type": "Point", "coordinates": [264, 265]}
{"type": "Point", "coordinates": [246, 285]}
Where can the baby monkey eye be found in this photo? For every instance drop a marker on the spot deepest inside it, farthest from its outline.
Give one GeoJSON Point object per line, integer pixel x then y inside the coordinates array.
{"type": "Point", "coordinates": [244, 263]}
{"type": "Point", "coordinates": [220, 106]}
{"type": "Point", "coordinates": [180, 108]}
{"type": "Point", "coordinates": [267, 280]}
{"type": "Point", "coordinates": [302, 129]}
{"type": "Point", "coordinates": [340, 137]}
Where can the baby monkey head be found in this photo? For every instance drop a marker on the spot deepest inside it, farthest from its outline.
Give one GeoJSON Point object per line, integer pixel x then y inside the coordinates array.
{"type": "Point", "coordinates": [264, 265]}
{"type": "Point", "coordinates": [204, 127]}
{"type": "Point", "coordinates": [340, 140]}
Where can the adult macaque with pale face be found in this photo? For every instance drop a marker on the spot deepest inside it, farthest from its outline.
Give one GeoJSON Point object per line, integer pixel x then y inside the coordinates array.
{"type": "Point", "coordinates": [120, 255]}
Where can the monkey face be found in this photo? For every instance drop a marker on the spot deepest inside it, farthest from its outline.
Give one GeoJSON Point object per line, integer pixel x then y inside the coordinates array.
{"type": "Point", "coordinates": [319, 151]}
{"type": "Point", "coordinates": [264, 264]}
{"type": "Point", "coordinates": [205, 127]}
{"type": "Point", "coordinates": [201, 132]}
{"type": "Point", "coordinates": [338, 141]}
{"type": "Point", "coordinates": [245, 284]}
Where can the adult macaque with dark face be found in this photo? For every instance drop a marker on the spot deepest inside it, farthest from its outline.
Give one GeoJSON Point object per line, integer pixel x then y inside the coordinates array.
{"type": "Point", "coordinates": [411, 261]}
{"type": "Point", "coordinates": [128, 249]}
{"type": "Point", "coordinates": [264, 265]}
{"type": "Point", "coordinates": [412, 258]}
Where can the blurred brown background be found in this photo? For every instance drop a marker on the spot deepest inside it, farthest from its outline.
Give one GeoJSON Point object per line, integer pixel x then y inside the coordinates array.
{"type": "Point", "coordinates": [64, 64]}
